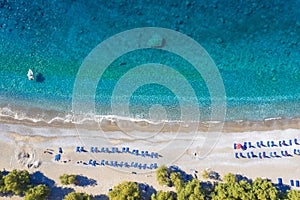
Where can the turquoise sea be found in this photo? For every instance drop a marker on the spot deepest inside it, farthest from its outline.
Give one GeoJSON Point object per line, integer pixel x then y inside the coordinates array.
{"type": "Point", "coordinates": [254, 44]}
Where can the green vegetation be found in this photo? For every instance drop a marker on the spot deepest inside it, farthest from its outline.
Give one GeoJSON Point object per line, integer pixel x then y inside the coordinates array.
{"type": "Point", "coordinates": [40, 192]}
{"type": "Point", "coordinates": [263, 189]}
{"type": "Point", "coordinates": [17, 182]}
{"type": "Point", "coordinates": [67, 179]}
{"type": "Point", "coordinates": [78, 196]}
{"type": "Point", "coordinates": [2, 188]}
{"type": "Point", "coordinates": [192, 191]}
{"type": "Point", "coordinates": [205, 174]}
{"type": "Point", "coordinates": [161, 195]}
{"type": "Point", "coordinates": [125, 190]}
{"type": "Point", "coordinates": [177, 181]}
{"type": "Point", "coordinates": [293, 194]}
{"type": "Point", "coordinates": [162, 175]}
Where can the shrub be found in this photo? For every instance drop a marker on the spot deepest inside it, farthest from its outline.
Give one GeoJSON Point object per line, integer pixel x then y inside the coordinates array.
{"type": "Point", "coordinates": [40, 192]}
{"type": "Point", "coordinates": [67, 179]}
{"type": "Point", "coordinates": [16, 181]}
{"type": "Point", "coordinates": [125, 190]}
{"type": "Point", "coordinates": [162, 175]}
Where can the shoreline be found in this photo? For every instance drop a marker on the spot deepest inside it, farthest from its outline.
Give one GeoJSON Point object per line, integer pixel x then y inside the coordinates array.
{"type": "Point", "coordinates": [114, 124]}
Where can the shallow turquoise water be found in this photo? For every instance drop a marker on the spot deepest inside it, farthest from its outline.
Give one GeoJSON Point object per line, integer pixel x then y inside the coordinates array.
{"type": "Point", "coordinates": [255, 45]}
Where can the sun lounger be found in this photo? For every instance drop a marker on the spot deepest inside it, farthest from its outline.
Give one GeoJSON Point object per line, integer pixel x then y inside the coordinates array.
{"type": "Point", "coordinates": [155, 166]}
{"type": "Point", "coordinates": [292, 182]}
{"type": "Point", "coordinates": [82, 149]}
{"type": "Point", "coordinates": [258, 144]}
{"type": "Point", "coordinates": [60, 150]}
{"type": "Point", "coordinates": [253, 155]}
{"type": "Point", "coordinates": [297, 183]}
{"type": "Point", "coordinates": [123, 149]}
{"type": "Point", "coordinates": [57, 157]}
{"type": "Point", "coordinates": [290, 142]}
{"type": "Point", "coordinates": [102, 162]}
{"type": "Point", "coordinates": [241, 155]}
{"type": "Point", "coordinates": [127, 149]}
{"type": "Point", "coordinates": [248, 155]}
{"type": "Point", "coordinates": [136, 152]}
{"type": "Point", "coordinates": [94, 163]}
{"type": "Point", "coordinates": [102, 150]}
{"type": "Point", "coordinates": [92, 149]}
{"type": "Point", "coordinates": [284, 143]}
{"type": "Point", "coordinates": [275, 154]}
{"type": "Point", "coordinates": [234, 145]}
{"type": "Point", "coordinates": [250, 145]}
{"type": "Point", "coordinates": [283, 153]}
{"type": "Point", "coordinates": [145, 166]}
{"type": "Point", "coordinates": [286, 153]}
{"type": "Point", "coordinates": [271, 154]}
{"type": "Point", "coordinates": [265, 155]}
{"type": "Point", "coordinates": [262, 144]}
{"type": "Point", "coordinates": [279, 181]}
{"type": "Point", "coordinates": [273, 144]}
{"type": "Point", "coordinates": [259, 155]}
{"type": "Point", "coordinates": [77, 149]}
{"type": "Point", "coordinates": [296, 141]}
{"type": "Point", "coordinates": [279, 143]}
{"type": "Point", "coordinates": [268, 143]}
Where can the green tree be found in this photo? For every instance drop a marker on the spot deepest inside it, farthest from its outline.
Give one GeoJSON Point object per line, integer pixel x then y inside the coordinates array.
{"type": "Point", "coordinates": [17, 181]}
{"type": "Point", "coordinates": [263, 189]}
{"type": "Point", "coordinates": [78, 196]}
{"type": "Point", "coordinates": [231, 189]}
{"type": "Point", "coordinates": [191, 191]}
{"type": "Point", "coordinates": [229, 178]}
{"type": "Point", "coordinates": [40, 192]}
{"type": "Point", "coordinates": [205, 174]}
{"type": "Point", "coordinates": [2, 188]}
{"type": "Point", "coordinates": [177, 180]}
{"type": "Point", "coordinates": [162, 175]}
{"type": "Point", "coordinates": [162, 195]}
{"type": "Point", "coordinates": [293, 194]}
{"type": "Point", "coordinates": [125, 191]}
{"type": "Point", "coordinates": [67, 179]}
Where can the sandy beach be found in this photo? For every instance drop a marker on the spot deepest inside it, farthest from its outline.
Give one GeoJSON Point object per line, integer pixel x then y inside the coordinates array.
{"type": "Point", "coordinates": [187, 151]}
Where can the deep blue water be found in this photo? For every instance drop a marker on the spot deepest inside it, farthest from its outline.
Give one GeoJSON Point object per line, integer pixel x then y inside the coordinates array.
{"type": "Point", "coordinates": [254, 44]}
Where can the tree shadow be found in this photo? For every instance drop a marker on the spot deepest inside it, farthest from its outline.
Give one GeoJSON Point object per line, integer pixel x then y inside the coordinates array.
{"type": "Point", "coordinates": [40, 78]}
{"type": "Point", "coordinates": [39, 178]}
{"type": "Point", "coordinates": [101, 197]}
{"type": "Point", "coordinates": [186, 177]}
{"type": "Point", "coordinates": [59, 192]}
{"type": "Point", "coordinates": [85, 181]}
{"type": "Point", "coordinates": [146, 190]}
{"type": "Point", "coordinates": [240, 177]}
{"type": "Point", "coordinates": [56, 192]}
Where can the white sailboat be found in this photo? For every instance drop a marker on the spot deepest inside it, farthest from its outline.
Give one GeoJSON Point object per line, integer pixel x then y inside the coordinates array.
{"type": "Point", "coordinates": [30, 75]}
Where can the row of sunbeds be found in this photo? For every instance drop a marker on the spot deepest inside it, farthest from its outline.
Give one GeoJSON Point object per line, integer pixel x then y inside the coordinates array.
{"type": "Point", "coordinates": [266, 144]}
{"type": "Point", "coordinates": [135, 152]}
{"type": "Point", "coordinates": [121, 164]}
{"type": "Point", "coordinates": [273, 154]}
